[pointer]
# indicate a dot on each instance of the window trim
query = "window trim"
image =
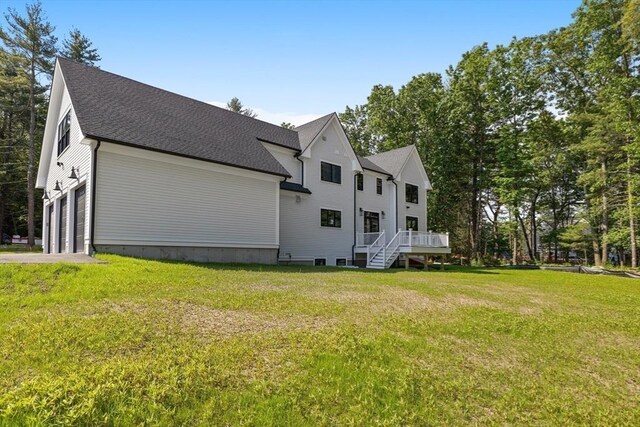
(360, 182)
(406, 217)
(341, 265)
(364, 216)
(67, 133)
(330, 210)
(417, 202)
(315, 262)
(333, 165)
(379, 186)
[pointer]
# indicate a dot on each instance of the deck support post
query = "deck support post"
(406, 261)
(442, 263)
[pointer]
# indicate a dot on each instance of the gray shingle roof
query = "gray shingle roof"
(117, 109)
(308, 131)
(393, 160)
(292, 186)
(368, 164)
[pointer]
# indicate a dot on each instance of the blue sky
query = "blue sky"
(293, 60)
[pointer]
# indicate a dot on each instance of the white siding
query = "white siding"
(152, 198)
(301, 236)
(411, 174)
(77, 155)
(286, 158)
(370, 201)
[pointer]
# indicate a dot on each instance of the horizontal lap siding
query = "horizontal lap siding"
(78, 156)
(151, 201)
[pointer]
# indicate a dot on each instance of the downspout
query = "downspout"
(93, 198)
(396, 202)
(297, 156)
(355, 216)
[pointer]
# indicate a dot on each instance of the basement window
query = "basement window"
(320, 261)
(341, 262)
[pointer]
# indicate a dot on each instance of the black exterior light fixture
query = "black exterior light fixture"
(361, 211)
(73, 174)
(382, 214)
(57, 187)
(45, 196)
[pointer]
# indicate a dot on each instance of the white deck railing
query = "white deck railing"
(377, 246)
(424, 239)
(366, 239)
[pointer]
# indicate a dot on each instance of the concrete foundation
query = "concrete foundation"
(195, 254)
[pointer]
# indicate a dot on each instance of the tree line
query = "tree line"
(533, 148)
(28, 48)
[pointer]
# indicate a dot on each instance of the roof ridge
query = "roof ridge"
(170, 92)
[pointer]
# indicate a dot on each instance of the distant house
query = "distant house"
(131, 169)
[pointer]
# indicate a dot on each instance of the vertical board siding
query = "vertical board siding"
(142, 200)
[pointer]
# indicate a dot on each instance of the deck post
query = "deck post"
(442, 263)
(406, 261)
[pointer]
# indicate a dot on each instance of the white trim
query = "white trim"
(278, 213)
(411, 216)
(142, 153)
(324, 227)
(342, 137)
(405, 192)
(333, 164)
(184, 244)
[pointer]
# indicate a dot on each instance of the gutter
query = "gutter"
(297, 156)
(93, 199)
(355, 216)
(396, 202)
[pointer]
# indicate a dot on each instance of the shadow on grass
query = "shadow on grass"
(317, 269)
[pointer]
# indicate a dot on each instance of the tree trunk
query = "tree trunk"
(632, 226)
(526, 238)
(605, 216)
(31, 206)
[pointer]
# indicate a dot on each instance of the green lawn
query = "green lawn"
(146, 342)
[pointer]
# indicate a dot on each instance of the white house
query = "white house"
(132, 169)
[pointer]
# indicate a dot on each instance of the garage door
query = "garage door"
(62, 230)
(79, 218)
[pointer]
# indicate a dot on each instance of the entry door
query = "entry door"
(371, 222)
(50, 229)
(62, 226)
(79, 218)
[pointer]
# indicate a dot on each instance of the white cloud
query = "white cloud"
(277, 118)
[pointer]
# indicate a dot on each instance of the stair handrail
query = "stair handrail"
(379, 241)
(391, 247)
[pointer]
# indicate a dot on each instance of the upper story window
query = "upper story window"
(330, 172)
(379, 185)
(360, 182)
(330, 218)
(64, 129)
(411, 193)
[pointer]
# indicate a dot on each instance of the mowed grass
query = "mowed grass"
(148, 342)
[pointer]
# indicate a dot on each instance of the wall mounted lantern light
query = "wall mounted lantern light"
(361, 211)
(73, 174)
(57, 187)
(45, 196)
(382, 214)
